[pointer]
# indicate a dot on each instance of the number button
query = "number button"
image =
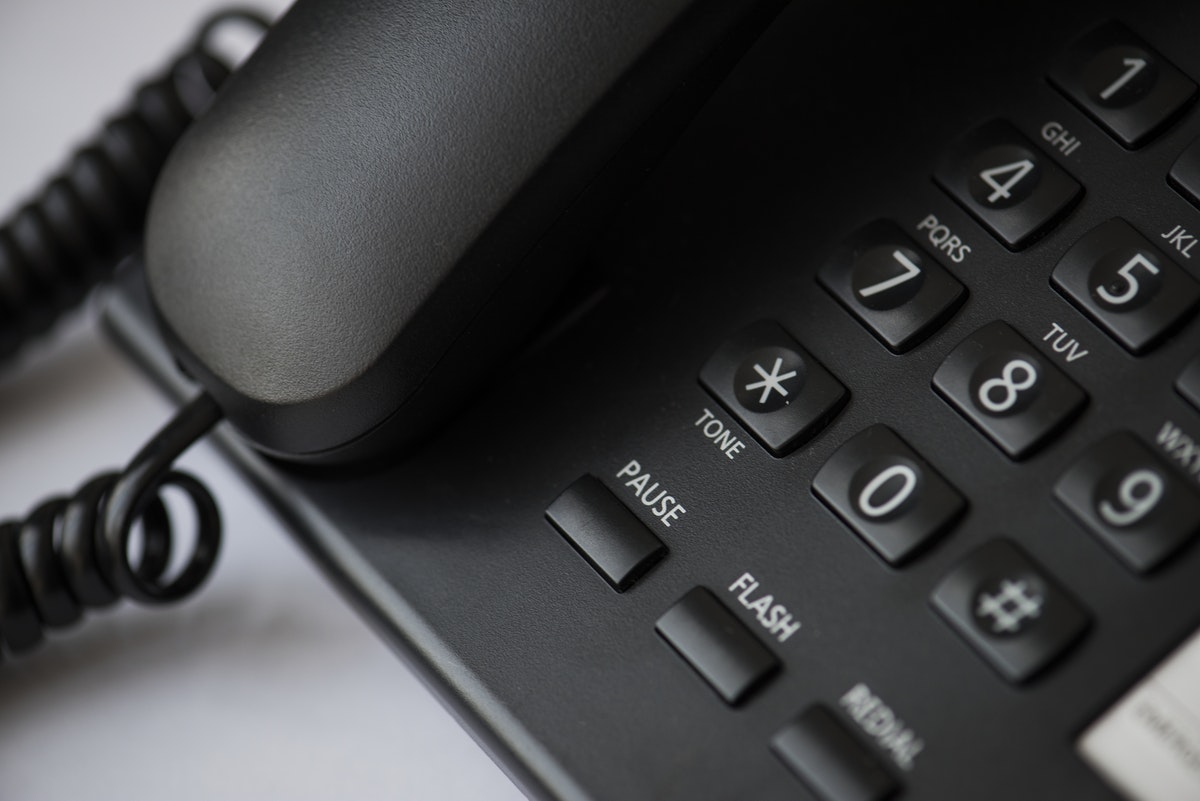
(887, 489)
(1126, 285)
(1006, 184)
(900, 294)
(1122, 90)
(1008, 393)
(881, 292)
(1130, 291)
(1125, 86)
(888, 494)
(1138, 495)
(1133, 502)
(1010, 610)
(1000, 382)
(1009, 185)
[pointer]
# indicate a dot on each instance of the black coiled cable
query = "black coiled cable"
(67, 239)
(73, 553)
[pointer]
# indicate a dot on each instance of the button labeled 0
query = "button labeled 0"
(888, 494)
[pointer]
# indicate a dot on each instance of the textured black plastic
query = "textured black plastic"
(837, 117)
(375, 208)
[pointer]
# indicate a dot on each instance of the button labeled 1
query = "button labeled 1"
(1000, 382)
(888, 494)
(1116, 277)
(1123, 494)
(1124, 85)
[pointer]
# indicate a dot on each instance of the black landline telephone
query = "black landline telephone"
(851, 455)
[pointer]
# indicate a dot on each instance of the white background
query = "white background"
(264, 686)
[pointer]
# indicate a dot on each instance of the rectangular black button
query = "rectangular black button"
(773, 386)
(1185, 173)
(1010, 610)
(717, 645)
(605, 532)
(830, 760)
(1009, 185)
(1188, 384)
(1129, 89)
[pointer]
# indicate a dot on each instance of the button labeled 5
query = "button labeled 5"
(1135, 293)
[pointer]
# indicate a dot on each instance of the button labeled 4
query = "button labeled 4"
(1007, 183)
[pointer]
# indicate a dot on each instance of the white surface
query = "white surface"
(265, 685)
(1148, 744)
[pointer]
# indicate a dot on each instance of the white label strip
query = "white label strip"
(1148, 745)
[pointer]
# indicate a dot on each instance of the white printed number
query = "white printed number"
(911, 271)
(867, 502)
(1138, 494)
(1015, 171)
(1008, 386)
(1134, 66)
(1131, 282)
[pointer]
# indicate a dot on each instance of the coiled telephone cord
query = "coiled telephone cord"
(70, 554)
(73, 233)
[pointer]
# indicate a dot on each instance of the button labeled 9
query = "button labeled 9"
(1122, 492)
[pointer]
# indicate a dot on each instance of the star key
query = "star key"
(774, 387)
(771, 383)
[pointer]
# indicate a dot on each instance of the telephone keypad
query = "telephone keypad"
(1121, 492)
(1001, 383)
(1134, 292)
(892, 287)
(888, 494)
(1129, 89)
(1009, 185)
(778, 391)
(1010, 610)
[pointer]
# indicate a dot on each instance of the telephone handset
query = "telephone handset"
(387, 196)
(869, 473)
